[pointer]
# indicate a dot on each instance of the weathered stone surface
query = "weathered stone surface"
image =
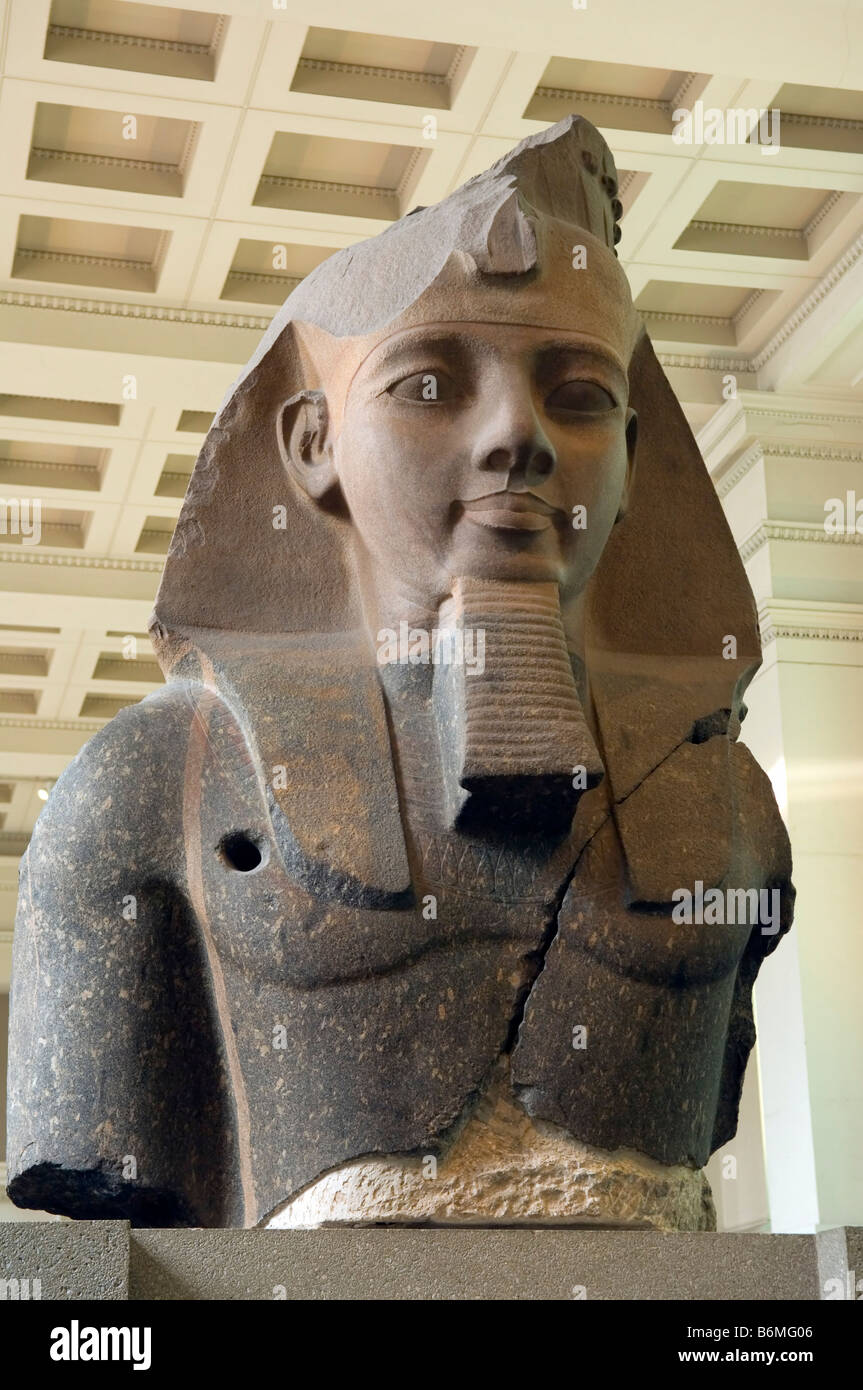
(293, 911)
(503, 1169)
(468, 1264)
(89, 1261)
(839, 1253)
(59, 1260)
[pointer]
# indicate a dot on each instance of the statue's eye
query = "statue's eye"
(430, 386)
(580, 398)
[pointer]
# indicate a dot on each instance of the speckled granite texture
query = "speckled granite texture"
(108, 1261)
(294, 910)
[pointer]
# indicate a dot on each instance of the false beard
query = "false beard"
(516, 750)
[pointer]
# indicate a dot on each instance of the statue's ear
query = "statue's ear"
(305, 444)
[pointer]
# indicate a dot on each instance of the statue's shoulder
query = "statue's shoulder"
(106, 960)
(125, 783)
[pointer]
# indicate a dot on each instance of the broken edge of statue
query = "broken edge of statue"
(433, 885)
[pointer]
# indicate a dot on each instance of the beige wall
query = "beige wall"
(4, 1033)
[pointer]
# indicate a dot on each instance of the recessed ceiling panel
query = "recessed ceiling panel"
(378, 67)
(175, 475)
(112, 666)
(83, 145)
(755, 219)
(156, 535)
(675, 311)
(24, 661)
(819, 118)
(679, 297)
(19, 701)
(135, 38)
(54, 527)
(265, 272)
(104, 706)
(613, 95)
(54, 408)
(25, 465)
(194, 421)
(108, 254)
(356, 178)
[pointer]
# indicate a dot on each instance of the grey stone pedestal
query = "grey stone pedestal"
(107, 1260)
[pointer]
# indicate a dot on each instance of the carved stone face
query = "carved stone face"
(464, 449)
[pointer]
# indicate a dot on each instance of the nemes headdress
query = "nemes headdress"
(670, 589)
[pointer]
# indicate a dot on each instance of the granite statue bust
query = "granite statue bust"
(432, 886)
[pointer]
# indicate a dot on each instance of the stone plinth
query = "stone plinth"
(106, 1260)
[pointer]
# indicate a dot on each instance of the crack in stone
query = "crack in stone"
(552, 928)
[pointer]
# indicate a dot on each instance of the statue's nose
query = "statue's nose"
(514, 443)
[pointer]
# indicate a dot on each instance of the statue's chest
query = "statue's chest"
(489, 871)
(297, 893)
(464, 896)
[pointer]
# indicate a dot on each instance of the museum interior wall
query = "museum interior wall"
(171, 174)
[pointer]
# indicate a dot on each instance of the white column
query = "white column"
(776, 462)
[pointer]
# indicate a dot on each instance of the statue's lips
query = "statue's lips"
(510, 511)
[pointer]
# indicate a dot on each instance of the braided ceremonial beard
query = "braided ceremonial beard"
(515, 747)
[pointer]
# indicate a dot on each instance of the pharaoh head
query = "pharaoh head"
(471, 396)
(485, 429)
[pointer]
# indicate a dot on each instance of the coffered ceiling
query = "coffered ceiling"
(170, 174)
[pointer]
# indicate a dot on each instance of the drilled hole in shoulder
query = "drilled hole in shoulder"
(243, 851)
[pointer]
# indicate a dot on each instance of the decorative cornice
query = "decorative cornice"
(748, 303)
(75, 258)
(413, 160)
(665, 107)
(73, 725)
(32, 556)
(574, 97)
(364, 70)
(705, 363)
(771, 631)
(715, 320)
(798, 417)
(107, 161)
(810, 531)
(53, 526)
(745, 229)
(811, 451)
(711, 320)
(325, 186)
(679, 97)
(627, 179)
(219, 28)
(754, 454)
(8, 462)
(202, 318)
(254, 277)
(68, 31)
(753, 544)
(826, 207)
(811, 302)
(791, 531)
(190, 145)
(455, 66)
(834, 122)
(794, 320)
(26, 658)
